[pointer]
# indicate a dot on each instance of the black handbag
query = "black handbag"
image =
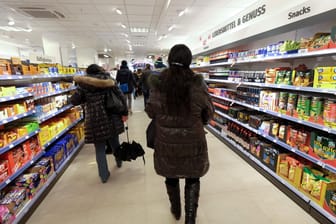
(150, 134)
(115, 102)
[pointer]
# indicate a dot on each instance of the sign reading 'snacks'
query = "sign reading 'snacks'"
(300, 12)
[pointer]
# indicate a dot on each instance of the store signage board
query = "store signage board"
(34, 58)
(261, 17)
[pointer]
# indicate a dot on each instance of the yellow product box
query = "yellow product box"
(289, 169)
(16, 61)
(44, 135)
(53, 131)
(8, 91)
(325, 77)
(22, 131)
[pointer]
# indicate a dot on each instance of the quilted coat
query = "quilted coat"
(180, 147)
(99, 126)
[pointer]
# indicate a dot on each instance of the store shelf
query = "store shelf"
(18, 142)
(280, 143)
(21, 170)
(46, 186)
(283, 116)
(276, 86)
(61, 133)
(54, 93)
(16, 97)
(260, 164)
(311, 54)
(17, 117)
(47, 117)
(273, 174)
(36, 197)
(20, 79)
(65, 163)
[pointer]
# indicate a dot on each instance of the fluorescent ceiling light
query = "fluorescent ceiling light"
(118, 11)
(15, 28)
(106, 56)
(182, 12)
(128, 41)
(123, 26)
(138, 44)
(171, 27)
(168, 3)
(109, 49)
(73, 46)
(11, 22)
(125, 34)
(164, 36)
(105, 50)
(139, 30)
(160, 38)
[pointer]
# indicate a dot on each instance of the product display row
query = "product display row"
(276, 104)
(319, 41)
(39, 133)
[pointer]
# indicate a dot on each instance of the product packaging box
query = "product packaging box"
(290, 169)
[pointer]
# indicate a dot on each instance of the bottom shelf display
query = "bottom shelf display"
(316, 187)
(18, 198)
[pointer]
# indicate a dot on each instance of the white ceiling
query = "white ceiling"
(96, 24)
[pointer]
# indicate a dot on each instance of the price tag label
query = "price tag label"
(8, 181)
(275, 141)
(300, 121)
(11, 146)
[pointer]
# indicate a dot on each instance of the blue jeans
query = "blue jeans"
(100, 148)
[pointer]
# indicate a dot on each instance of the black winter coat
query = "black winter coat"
(99, 126)
(180, 144)
(124, 75)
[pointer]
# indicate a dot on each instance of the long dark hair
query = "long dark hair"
(176, 80)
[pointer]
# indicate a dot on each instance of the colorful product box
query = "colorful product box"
(290, 169)
(325, 77)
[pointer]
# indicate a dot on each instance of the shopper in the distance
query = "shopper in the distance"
(180, 106)
(126, 83)
(101, 129)
(144, 82)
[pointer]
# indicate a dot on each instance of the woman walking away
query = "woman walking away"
(101, 129)
(180, 106)
(127, 83)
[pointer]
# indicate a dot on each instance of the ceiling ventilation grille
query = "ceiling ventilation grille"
(42, 13)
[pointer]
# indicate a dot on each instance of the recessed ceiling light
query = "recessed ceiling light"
(160, 38)
(106, 56)
(128, 41)
(118, 11)
(168, 3)
(105, 50)
(123, 26)
(109, 49)
(73, 46)
(182, 12)
(171, 27)
(11, 22)
(139, 30)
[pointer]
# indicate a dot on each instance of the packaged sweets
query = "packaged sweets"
(291, 103)
(316, 108)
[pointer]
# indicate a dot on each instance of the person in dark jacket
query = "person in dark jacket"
(180, 106)
(101, 129)
(125, 76)
(143, 82)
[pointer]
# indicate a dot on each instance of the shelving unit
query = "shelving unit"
(245, 63)
(284, 184)
(15, 80)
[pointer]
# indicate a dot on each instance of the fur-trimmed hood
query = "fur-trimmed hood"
(98, 81)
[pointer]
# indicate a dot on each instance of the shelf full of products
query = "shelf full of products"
(40, 134)
(281, 118)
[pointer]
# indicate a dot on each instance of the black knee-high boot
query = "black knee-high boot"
(191, 195)
(175, 199)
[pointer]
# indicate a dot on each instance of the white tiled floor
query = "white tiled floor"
(232, 192)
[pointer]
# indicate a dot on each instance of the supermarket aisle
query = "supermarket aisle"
(232, 192)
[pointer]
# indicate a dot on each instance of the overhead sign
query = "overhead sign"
(263, 16)
(33, 58)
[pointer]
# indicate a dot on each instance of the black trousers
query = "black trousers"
(175, 181)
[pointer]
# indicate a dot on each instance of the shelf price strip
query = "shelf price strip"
(18, 142)
(61, 133)
(43, 119)
(280, 143)
(54, 93)
(17, 117)
(21, 170)
(307, 123)
(16, 97)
